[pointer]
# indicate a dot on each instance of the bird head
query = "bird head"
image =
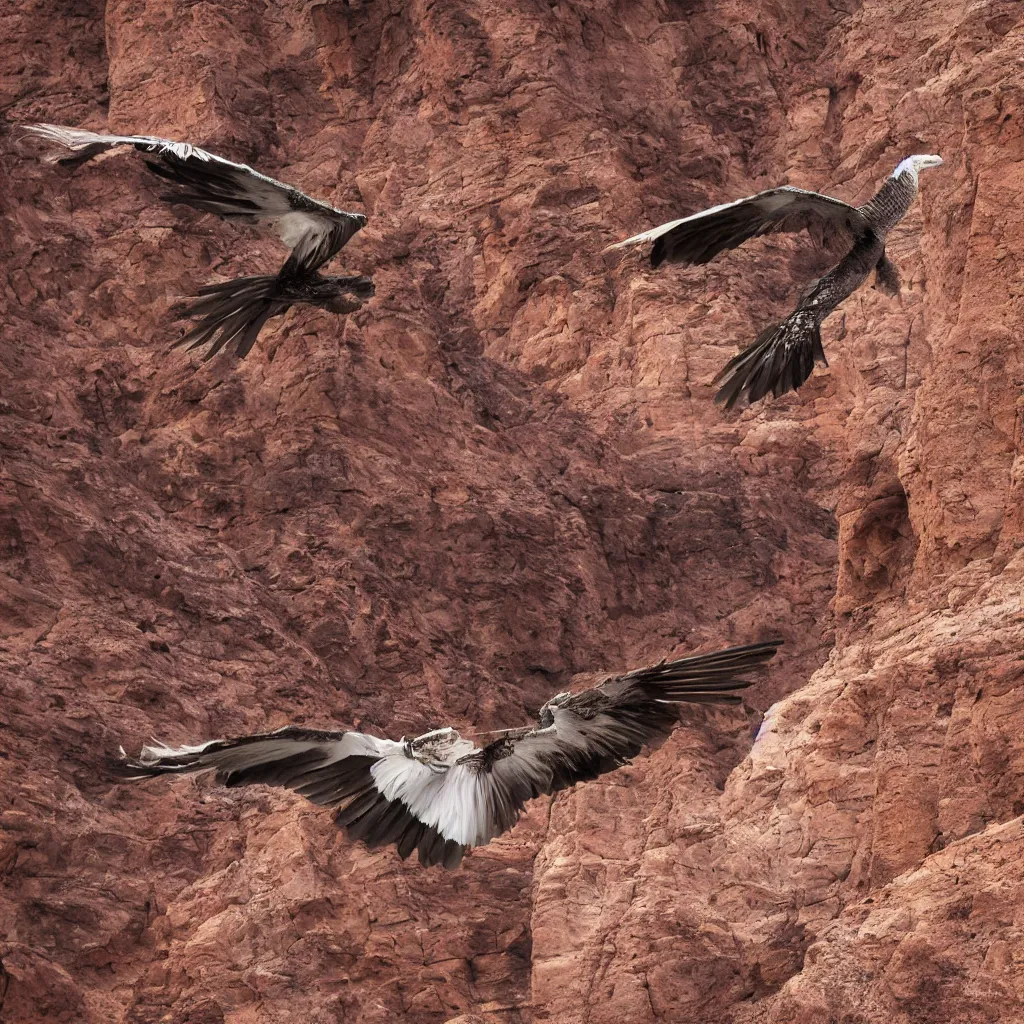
(435, 742)
(915, 164)
(547, 717)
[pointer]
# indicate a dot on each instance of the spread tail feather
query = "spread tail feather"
(233, 311)
(780, 360)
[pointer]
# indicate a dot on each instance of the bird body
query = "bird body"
(441, 794)
(783, 355)
(235, 311)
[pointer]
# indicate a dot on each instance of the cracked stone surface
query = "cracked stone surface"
(503, 476)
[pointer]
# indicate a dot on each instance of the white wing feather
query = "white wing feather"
(458, 800)
(274, 201)
(77, 139)
(776, 203)
(773, 205)
(207, 756)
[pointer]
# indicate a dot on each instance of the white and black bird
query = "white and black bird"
(235, 311)
(783, 355)
(440, 794)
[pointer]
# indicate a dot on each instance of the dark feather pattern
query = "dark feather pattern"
(700, 238)
(233, 314)
(193, 759)
(887, 277)
(780, 360)
(410, 838)
(783, 356)
(232, 311)
(617, 719)
(439, 794)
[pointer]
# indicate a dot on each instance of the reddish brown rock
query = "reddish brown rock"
(505, 472)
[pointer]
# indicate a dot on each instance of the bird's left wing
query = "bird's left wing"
(597, 731)
(314, 230)
(702, 236)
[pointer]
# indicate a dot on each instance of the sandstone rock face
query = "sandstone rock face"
(503, 474)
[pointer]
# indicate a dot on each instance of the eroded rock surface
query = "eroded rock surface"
(505, 473)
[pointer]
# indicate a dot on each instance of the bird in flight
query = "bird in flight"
(784, 354)
(235, 311)
(440, 794)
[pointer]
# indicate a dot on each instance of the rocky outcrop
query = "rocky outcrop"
(501, 475)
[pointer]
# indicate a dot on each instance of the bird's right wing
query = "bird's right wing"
(316, 763)
(702, 236)
(383, 792)
(314, 230)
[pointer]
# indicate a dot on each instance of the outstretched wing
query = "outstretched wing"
(444, 796)
(702, 236)
(314, 230)
(330, 768)
(599, 730)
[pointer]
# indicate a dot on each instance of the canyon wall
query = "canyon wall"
(502, 477)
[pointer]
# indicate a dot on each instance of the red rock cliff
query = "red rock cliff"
(504, 472)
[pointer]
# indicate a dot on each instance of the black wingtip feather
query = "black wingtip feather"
(704, 678)
(431, 848)
(658, 252)
(410, 838)
(453, 854)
